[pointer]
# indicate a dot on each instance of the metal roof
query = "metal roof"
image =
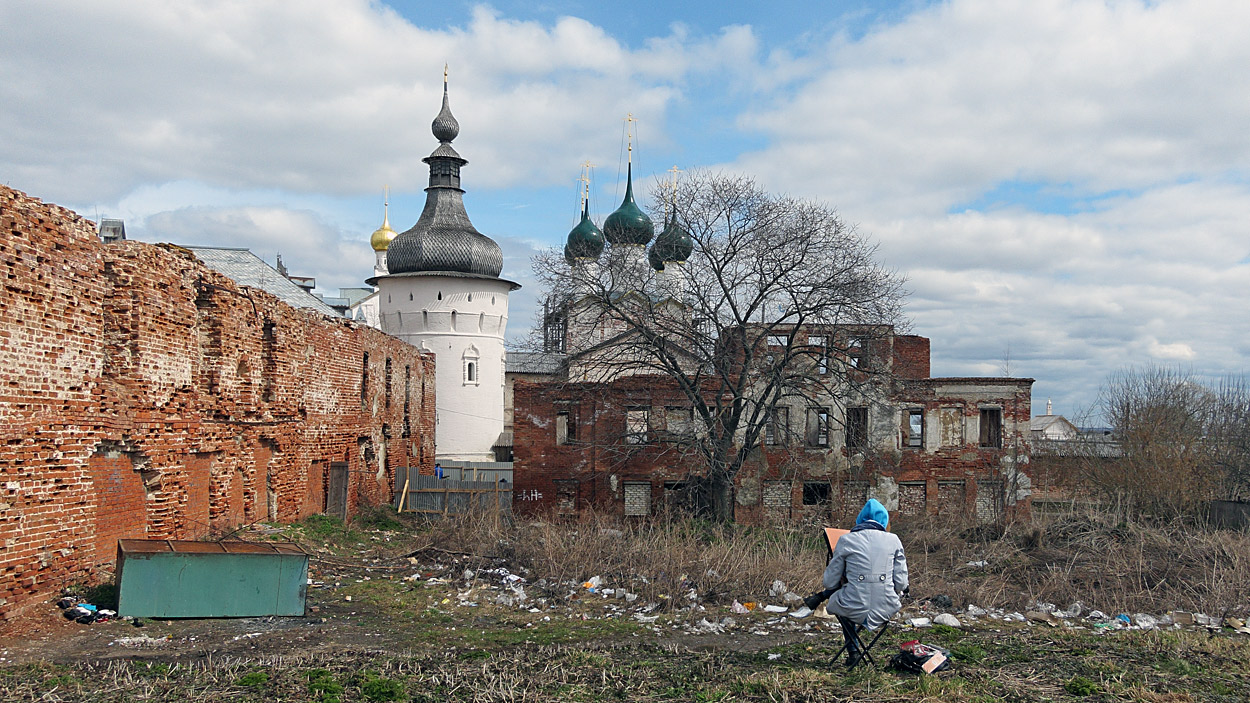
(547, 363)
(247, 269)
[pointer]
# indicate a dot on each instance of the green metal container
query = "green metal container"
(180, 579)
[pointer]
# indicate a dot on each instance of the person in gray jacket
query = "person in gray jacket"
(869, 572)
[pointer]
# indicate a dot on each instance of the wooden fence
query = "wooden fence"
(430, 495)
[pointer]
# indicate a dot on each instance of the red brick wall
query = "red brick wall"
(911, 357)
(120, 497)
(217, 398)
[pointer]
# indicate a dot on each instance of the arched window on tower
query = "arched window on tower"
(472, 370)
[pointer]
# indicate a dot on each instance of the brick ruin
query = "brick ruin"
(143, 395)
(925, 446)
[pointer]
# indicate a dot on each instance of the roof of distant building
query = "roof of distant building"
(355, 295)
(1040, 422)
(534, 362)
(247, 269)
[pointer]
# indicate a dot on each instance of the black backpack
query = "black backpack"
(917, 658)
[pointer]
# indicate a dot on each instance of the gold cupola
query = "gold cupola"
(383, 235)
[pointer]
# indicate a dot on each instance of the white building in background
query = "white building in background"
(439, 289)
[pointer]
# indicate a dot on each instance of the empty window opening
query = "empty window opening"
(817, 493)
(818, 427)
(856, 428)
(778, 340)
(915, 428)
(637, 422)
(991, 427)
(855, 352)
(678, 421)
(566, 426)
(364, 379)
(820, 352)
(777, 426)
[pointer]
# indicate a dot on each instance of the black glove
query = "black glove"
(813, 601)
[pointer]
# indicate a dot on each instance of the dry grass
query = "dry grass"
(652, 559)
(1088, 556)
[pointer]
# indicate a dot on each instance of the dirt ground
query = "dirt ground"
(391, 617)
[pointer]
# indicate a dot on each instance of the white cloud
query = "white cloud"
(326, 96)
(1123, 118)
(965, 94)
(259, 124)
(309, 246)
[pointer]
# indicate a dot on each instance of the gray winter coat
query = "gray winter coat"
(876, 573)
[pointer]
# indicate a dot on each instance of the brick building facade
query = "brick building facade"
(921, 445)
(144, 395)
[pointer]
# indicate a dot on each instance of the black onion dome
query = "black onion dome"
(443, 239)
(585, 240)
(445, 126)
(674, 243)
(629, 224)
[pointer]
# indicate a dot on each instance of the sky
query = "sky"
(1065, 184)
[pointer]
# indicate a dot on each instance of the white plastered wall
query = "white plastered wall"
(460, 320)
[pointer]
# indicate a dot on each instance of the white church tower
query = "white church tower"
(442, 293)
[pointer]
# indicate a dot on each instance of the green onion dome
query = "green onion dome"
(653, 258)
(629, 224)
(674, 243)
(585, 240)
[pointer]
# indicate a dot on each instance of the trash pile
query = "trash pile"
(85, 613)
(689, 610)
(1075, 616)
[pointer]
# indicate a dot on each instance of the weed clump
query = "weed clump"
(1080, 686)
(322, 687)
(253, 679)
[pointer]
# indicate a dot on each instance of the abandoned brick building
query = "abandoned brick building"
(921, 445)
(143, 394)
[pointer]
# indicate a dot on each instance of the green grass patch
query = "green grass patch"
(947, 634)
(382, 689)
(1080, 686)
(968, 653)
(253, 679)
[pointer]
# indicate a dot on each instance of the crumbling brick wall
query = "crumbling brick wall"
(952, 473)
(143, 395)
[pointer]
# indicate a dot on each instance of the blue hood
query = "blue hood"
(875, 511)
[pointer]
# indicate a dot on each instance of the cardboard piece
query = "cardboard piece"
(933, 662)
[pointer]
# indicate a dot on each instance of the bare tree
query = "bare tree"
(1229, 435)
(778, 303)
(1180, 441)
